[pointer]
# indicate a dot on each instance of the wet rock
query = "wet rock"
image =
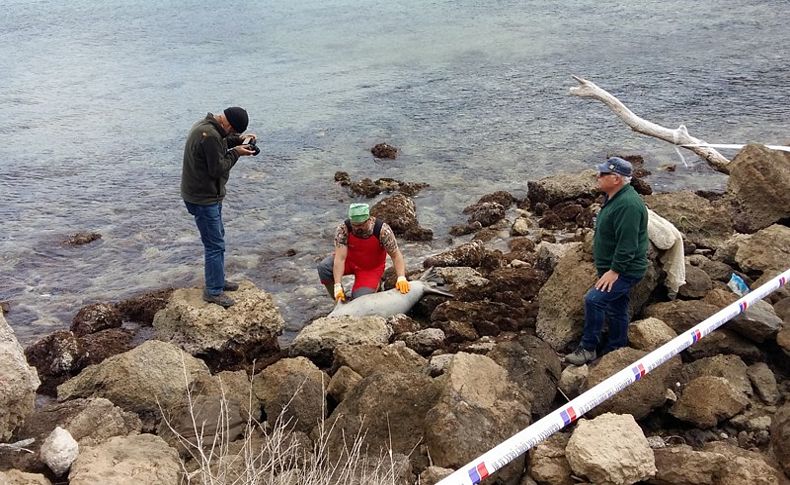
(82, 238)
(701, 222)
(707, 400)
(318, 340)
(551, 220)
(402, 324)
(367, 359)
(491, 411)
(457, 332)
(5, 307)
(487, 214)
(533, 365)
(547, 463)
(682, 465)
(465, 283)
(142, 308)
(640, 398)
(95, 317)
(641, 186)
(104, 344)
(767, 249)
(764, 382)
(464, 229)
(294, 389)
(399, 212)
(561, 300)
(342, 382)
(384, 150)
(56, 358)
(473, 254)
(487, 317)
(649, 334)
(523, 282)
(698, 283)
(144, 458)
(225, 338)
(730, 367)
(681, 315)
(557, 188)
(18, 382)
(759, 184)
(424, 342)
(780, 436)
(505, 199)
(521, 227)
(610, 449)
(152, 375)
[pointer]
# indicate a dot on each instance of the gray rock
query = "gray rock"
(547, 463)
(18, 382)
(698, 283)
(424, 342)
(143, 458)
(564, 186)
(294, 389)
(573, 379)
(649, 334)
(759, 185)
(764, 382)
(367, 359)
(59, 451)
(702, 222)
(758, 323)
(318, 340)
(767, 249)
(342, 382)
(730, 367)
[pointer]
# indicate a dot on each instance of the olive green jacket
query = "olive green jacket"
(207, 162)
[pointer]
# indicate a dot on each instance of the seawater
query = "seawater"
(97, 98)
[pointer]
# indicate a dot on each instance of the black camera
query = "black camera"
(252, 146)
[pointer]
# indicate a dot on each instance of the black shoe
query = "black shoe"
(222, 299)
(230, 286)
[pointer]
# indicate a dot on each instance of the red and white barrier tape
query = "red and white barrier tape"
(510, 449)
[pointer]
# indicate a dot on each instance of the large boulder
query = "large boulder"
(564, 186)
(223, 337)
(759, 185)
(561, 300)
(610, 449)
(387, 410)
(701, 221)
(400, 213)
(765, 250)
(318, 340)
(18, 382)
(143, 458)
(640, 398)
(533, 364)
(152, 375)
(758, 323)
(476, 398)
(707, 400)
(367, 359)
(294, 389)
(730, 367)
(681, 315)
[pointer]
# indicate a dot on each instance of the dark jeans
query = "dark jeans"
(612, 306)
(208, 219)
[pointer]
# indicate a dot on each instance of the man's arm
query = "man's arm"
(398, 262)
(218, 161)
(339, 265)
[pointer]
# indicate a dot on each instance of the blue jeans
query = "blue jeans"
(208, 219)
(612, 306)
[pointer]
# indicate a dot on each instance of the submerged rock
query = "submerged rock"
(384, 150)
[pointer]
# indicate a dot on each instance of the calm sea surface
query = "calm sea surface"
(97, 97)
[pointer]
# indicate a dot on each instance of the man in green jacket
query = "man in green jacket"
(213, 147)
(620, 254)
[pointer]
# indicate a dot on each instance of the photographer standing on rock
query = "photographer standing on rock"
(620, 254)
(213, 147)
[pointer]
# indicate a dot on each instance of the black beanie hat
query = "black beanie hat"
(237, 117)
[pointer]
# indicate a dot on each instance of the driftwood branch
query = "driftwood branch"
(18, 446)
(678, 136)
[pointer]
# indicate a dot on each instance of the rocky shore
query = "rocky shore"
(115, 398)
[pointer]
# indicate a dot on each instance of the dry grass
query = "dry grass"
(270, 454)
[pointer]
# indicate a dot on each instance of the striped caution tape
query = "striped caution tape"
(478, 469)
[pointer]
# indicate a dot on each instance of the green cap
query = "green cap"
(358, 213)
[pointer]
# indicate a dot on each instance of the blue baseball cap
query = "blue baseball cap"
(616, 165)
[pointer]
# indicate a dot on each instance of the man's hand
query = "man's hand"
(339, 294)
(243, 150)
(606, 281)
(402, 285)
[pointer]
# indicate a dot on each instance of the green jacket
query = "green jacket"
(207, 162)
(620, 241)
